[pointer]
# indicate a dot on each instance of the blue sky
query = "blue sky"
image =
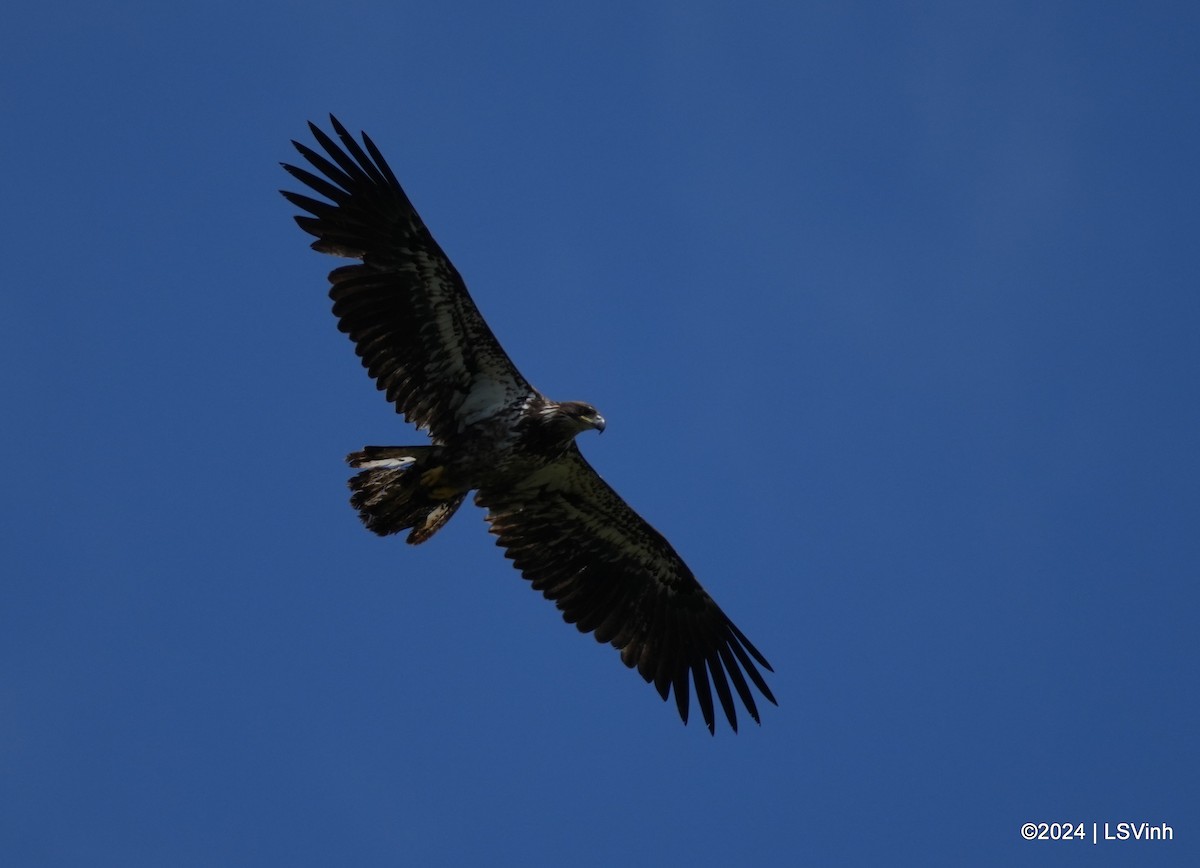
(892, 311)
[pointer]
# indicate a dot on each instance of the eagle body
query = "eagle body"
(492, 453)
(423, 341)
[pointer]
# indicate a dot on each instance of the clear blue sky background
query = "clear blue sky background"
(893, 312)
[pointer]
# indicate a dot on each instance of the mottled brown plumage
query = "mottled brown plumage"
(425, 344)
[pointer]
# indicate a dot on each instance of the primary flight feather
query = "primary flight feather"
(425, 344)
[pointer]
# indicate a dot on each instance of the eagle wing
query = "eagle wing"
(611, 573)
(405, 307)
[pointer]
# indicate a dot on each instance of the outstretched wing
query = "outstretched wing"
(611, 573)
(405, 306)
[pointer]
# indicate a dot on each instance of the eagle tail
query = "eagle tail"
(389, 493)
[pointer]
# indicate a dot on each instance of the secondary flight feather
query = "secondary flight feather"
(423, 341)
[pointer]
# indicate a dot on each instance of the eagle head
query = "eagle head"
(559, 423)
(580, 416)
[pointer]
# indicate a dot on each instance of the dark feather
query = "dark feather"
(635, 591)
(405, 306)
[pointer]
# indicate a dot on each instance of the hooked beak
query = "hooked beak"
(599, 423)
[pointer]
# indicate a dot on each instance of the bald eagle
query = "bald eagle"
(425, 344)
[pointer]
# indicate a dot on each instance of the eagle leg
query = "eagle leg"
(394, 491)
(430, 479)
(433, 476)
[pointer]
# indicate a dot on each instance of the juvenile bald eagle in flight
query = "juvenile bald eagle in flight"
(425, 344)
